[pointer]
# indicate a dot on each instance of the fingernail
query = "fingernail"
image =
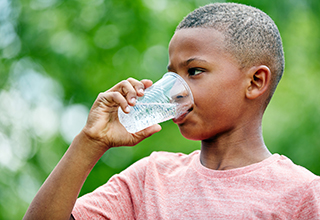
(141, 91)
(127, 109)
(133, 100)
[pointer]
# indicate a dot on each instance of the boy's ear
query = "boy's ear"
(260, 78)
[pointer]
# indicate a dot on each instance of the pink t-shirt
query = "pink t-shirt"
(177, 186)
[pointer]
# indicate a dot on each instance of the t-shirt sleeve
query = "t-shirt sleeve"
(117, 198)
(309, 206)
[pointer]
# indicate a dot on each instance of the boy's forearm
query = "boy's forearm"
(56, 197)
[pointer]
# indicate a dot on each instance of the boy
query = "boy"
(231, 56)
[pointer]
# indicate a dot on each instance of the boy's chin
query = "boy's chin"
(190, 134)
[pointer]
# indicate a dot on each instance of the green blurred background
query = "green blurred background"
(56, 56)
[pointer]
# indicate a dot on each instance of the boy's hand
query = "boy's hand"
(103, 126)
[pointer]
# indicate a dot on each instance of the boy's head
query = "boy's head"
(250, 35)
(231, 56)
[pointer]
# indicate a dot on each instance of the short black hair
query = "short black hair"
(251, 36)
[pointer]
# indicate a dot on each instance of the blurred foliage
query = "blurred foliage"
(56, 56)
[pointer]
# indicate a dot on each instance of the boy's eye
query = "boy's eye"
(194, 71)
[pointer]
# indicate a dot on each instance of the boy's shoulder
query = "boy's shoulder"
(160, 154)
(165, 162)
(277, 168)
(287, 170)
(164, 157)
(161, 162)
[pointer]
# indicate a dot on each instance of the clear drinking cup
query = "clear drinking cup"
(168, 98)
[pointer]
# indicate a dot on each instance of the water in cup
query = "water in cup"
(168, 98)
(145, 114)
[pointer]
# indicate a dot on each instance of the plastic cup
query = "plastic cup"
(168, 98)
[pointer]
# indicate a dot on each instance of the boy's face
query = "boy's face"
(217, 83)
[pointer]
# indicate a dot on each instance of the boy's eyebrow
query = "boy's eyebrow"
(187, 62)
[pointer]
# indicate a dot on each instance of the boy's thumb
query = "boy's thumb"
(147, 132)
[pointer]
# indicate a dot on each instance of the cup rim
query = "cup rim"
(182, 81)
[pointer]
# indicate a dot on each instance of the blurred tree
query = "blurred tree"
(56, 56)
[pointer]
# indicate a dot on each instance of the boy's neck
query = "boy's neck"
(230, 151)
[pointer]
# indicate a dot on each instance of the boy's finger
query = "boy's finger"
(138, 86)
(147, 132)
(127, 90)
(147, 83)
(114, 99)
